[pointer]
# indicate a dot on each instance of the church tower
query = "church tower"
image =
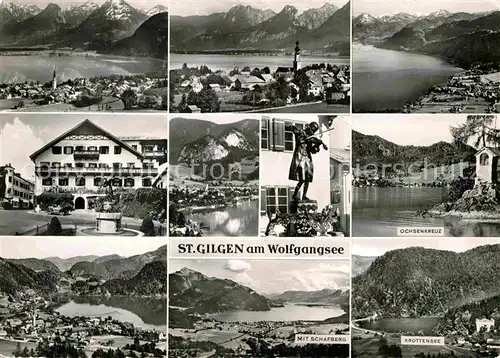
(54, 80)
(296, 59)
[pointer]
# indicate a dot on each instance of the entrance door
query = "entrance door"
(79, 203)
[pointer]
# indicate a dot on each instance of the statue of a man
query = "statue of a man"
(302, 167)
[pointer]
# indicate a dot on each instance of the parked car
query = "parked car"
(58, 210)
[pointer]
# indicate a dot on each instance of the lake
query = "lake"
(289, 312)
(386, 79)
(40, 67)
(239, 220)
(142, 312)
(229, 62)
(403, 325)
(379, 212)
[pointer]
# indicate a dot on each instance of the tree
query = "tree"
(480, 129)
(206, 99)
(129, 99)
(302, 80)
(266, 70)
(54, 227)
(148, 227)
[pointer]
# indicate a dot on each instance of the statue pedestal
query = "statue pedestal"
(303, 206)
(108, 223)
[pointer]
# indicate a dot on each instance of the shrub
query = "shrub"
(54, 227)
(458, 187)
(148, 227)
(86, 101)
(141, 202)
(47, 199)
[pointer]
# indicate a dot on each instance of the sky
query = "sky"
(138, 4)
(378, 247)
(39, 247)
(274, 276)
(421, 130)
(420, 7)
(203, 7)
(23, 134)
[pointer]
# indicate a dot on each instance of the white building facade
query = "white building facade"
(82, 159)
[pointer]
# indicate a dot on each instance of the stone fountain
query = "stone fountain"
(108, 219)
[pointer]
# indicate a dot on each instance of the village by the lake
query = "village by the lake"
(110, 56)
(291, 60)
(66, 305)
(437, 61)
(268, 315)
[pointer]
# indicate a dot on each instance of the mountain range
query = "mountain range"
(88, 26)
(249, 28)
(368, 149)
(204, 141)
(462, 38)
(321, 297)
(416, 281)
(135, 275)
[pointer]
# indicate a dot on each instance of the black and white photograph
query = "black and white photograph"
(425, 298)
(281, 56)
(426, 56)
(234, 308)
(214, 176)
(75, 174)
(83, 297)
(306, 176)
(78, 55)
(426, 172)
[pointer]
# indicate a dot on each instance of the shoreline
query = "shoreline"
(410, 106)
(472, 216)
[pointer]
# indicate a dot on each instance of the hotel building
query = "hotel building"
(82, 159)
(18, 191)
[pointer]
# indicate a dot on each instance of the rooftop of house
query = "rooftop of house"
(340, 155)
(495, 151)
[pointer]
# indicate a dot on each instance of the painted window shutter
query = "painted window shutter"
(265, 133)
(263, 201)
(278, 135)
(290, 196)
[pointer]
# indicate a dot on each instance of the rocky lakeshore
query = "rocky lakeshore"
(479, 203)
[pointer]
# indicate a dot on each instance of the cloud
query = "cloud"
(19, 141)
(238, 266)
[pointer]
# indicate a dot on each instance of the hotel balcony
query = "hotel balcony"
(73, 171)
(92, 154)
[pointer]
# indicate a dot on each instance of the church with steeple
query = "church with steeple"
(290, 71)
(296, 58)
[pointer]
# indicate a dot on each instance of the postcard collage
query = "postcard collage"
(238, 178)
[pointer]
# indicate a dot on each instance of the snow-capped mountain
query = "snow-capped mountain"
(19, 11)
(235, 139)
(365, 18)
(76, 14)
(118, 10)
(156, 10)
(203, 150)
(398, 17)
(440, 13)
